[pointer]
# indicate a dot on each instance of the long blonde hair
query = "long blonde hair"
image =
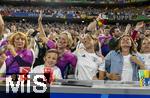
(146, 38)
(12, 38)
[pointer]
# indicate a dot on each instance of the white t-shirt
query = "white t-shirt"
(40, 69)
(88, 65)
(127, 71)
(146, 60)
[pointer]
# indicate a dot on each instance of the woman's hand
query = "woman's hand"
(40, 17)
(138, 62)
(43, 38)
(12, 49)
(82, 38)
(101, 75)
(113, 76)
(40, 26)
(95, 78)
(128, 27)
(139, 25)
(1, 24)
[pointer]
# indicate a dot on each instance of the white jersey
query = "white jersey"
(88, 65)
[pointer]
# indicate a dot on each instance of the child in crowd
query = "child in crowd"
(50, 60)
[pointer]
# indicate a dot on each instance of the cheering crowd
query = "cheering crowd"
(128, 13)
(92, 53)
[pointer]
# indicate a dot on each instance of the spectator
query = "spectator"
(50, 60)
(145, 52)
(124, 62)
(66, 58)
(88, 64)
(17, 55)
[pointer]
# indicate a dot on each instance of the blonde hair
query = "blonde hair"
(12, 38)
(94, 38)
(146, 38)
(69, 38)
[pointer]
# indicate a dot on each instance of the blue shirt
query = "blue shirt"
(114, 64)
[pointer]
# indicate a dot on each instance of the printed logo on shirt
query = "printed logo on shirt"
(83, 55)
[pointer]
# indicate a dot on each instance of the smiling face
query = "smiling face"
(51, 59)
(145, 45)
(62, 41)
(18, 40)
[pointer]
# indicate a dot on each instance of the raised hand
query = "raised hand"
(99, 17)
(40, 26)
(12, 49)
(92, 25)
(1, 24)
(40, 16)
(43, 38)
(137, 61)
(139, 25)
(81, 37)
(127, 29)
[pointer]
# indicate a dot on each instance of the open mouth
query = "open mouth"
(19, 44)
(60, 44)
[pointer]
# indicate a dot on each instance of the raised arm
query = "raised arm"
(49, 43)
(128, 27)
(40, 25)
(1, 24)
(99, 21)
(139, 25)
